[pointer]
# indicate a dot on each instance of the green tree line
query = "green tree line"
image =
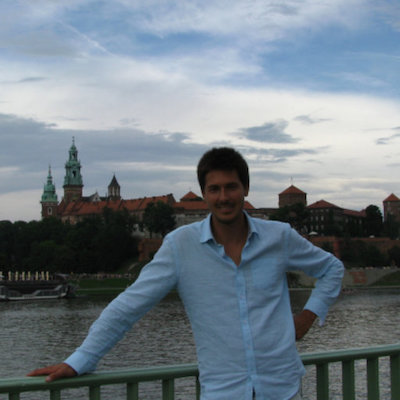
(99, 243)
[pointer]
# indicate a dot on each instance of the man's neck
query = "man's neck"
(232, 236)
(230, 233)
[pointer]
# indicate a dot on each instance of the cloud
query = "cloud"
(265, 20)
(18, 205)
(279, 155)
(33, 145)
(308, 120)
(147, 87)
(390, 12)
(389, 139)
(270, 132)
(122, 144)
(32, 79)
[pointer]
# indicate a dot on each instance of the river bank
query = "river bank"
(359, 277)
(113, 284)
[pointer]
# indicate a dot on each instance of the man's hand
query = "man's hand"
(54, 372)
(303, 322)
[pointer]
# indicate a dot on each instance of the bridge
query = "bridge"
(167, 376)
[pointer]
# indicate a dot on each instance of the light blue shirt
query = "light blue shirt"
(240, 315)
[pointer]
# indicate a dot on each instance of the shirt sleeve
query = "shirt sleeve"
(155, 281)
(302, 255)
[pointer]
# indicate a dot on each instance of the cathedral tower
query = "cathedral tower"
(49, 198)
(73, 179)
(292, 195)
(114, 190)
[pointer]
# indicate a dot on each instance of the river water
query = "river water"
(44, 332)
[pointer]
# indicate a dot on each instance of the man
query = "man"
(230, 272)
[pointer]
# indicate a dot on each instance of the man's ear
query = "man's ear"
(246, 191)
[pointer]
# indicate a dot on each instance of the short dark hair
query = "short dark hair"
(222, 159)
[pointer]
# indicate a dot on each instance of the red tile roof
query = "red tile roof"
(292, 190)
(202, 205)
(248, 206)
(326, 204)
(354, 213)
(392, 197)
(322, 204)
(190, 196)
(89, 208)
(191, 205)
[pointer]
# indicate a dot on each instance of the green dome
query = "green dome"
(73, 168)
(49, 191)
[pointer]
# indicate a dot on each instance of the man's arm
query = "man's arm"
(54, 372)
(303, 322)
(304, 256)
(154, 282)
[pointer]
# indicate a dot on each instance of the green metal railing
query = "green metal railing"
(131, 378)
(347, 358)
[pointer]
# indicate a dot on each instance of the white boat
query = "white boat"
(57, 288)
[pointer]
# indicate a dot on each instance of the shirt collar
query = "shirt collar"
(207, 235)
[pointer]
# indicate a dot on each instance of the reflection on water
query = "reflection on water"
(41, 333)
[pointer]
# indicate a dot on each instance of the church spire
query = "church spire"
(73, 179)
(114, 190)
(49, 199)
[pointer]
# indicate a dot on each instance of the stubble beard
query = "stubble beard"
(229, 220)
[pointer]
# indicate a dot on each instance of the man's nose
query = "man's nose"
(223, 194)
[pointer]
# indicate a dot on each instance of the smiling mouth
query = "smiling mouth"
(227, 207)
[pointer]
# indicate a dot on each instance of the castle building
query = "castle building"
(391, 207)
(74, 207)
(325, 216)
(292, 195)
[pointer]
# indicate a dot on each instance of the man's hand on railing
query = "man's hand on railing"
(54, 372)
(303, 323)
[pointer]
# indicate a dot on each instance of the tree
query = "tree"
(114, 242)
(159, 218)
(358, 253)
(373, 221)
(394, 255)
(391, 227)
(97, 243)
(6, 244)
(331, 225)
(296, 215)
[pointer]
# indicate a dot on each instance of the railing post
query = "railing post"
(323, 381)
(197, 388)
(168, 392)
(132, 391)
(395, 376)
(349, 392)
(94, 393)
(55, 395)
(373, 378)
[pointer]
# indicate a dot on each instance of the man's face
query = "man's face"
(224, 194)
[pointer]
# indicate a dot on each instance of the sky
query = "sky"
(308, 91)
